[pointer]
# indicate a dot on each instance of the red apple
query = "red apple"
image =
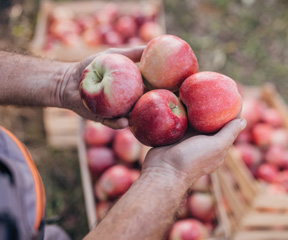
(135, 173)
(261, 134)
(64, 27)
(126, 147)
(110, 85)
(251, 111)
(166, 62)
(282, 178)
(92, 37)
(201, 206)
(126, 26)
(243, 137)
(188, 229)
(158, 118)
(99, 159)
(266, 172)
(115, 181)
(202, 184)
(250, 154)
(102, 208)
(150, 30)
(279, 137)
(272, 116)
(275, 155)
(212, 100)
(96, 134)
(113, 38)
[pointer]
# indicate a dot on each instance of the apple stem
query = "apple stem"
(98, 75)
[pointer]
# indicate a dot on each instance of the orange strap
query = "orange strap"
(39, 187)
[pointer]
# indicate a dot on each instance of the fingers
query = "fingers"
(134, 53)
(116, 123)
(227, 135)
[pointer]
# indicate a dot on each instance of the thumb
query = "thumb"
(230, 131)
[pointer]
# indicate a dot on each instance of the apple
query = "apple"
(201, 206)
(158, 118)
(125, 146)
(63, 27)
(261, 134)
(102, 209)
(243, 137)
(113, 38)
(96, 134)
(266, 172)
(110, 85)
(126, 26)
(279, 136)
(108, 14)
(135, 173)
(99, 159)
(150, 30)
(92, 37)
(272, 117)
(188, 229)
(202, 184)
(275, 155)
(212, 99)
(251, 111)
(250, 154)
(282, 178)
(115, 181)
(166, 62)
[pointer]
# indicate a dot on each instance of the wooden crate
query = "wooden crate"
(253, 213)
(66, 53)
(221, 232)
(61, 127)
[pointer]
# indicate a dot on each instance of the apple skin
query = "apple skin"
(212, 99)
(99, 159)
(110, 85)
(267, 172)
(158, 118)
(166, 62)
(250, 154)
(97, 134)
(188, 229)
(125, 146)
(115, 181)
(150, 30)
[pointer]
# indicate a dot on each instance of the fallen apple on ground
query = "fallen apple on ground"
(166, 62)
(110, 85)
(212, 99)
(158, 118)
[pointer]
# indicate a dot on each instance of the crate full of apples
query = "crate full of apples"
(114, 159)
(74, 30)
(263, 145)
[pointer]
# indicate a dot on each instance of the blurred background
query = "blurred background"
(246, 40)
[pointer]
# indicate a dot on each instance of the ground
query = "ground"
(246, 40)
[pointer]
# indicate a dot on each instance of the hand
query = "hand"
(195, 156)
(69, 87)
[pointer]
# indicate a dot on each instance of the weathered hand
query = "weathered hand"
(69, 87)
(195, 155)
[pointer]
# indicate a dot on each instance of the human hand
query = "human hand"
(194, 156)
(68, 89)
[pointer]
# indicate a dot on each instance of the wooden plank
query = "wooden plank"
(264, 219)
(261, 235)
(86, 179)
(265, 201)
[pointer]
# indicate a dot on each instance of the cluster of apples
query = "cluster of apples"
(159, 92)
(106, 26)
(114, 159)
(197, 214)
(263, 145)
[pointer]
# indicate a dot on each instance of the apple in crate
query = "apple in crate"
(99, 159)
(212, 99)
(96, 134)
(150, 30)
(250, 154)
(158, 118)
(188, 229)
(166, 62)
(267, 172)
(261, 134)
(110, 85)
(115, 181)
(125, 146)
(201, 206)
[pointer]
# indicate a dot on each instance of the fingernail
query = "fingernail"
(243, 123)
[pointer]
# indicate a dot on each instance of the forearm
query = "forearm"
(30, 81)
(146, 211)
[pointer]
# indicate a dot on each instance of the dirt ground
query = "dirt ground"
(244, 39)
